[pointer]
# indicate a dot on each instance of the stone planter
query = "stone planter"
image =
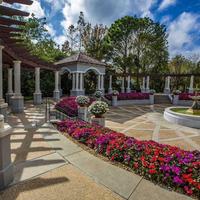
(99, 120)
(114, 100)
(151, 98)
(175, 99)
(6, 167)
(83, 113)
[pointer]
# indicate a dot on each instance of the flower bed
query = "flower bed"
(129, 96)
(164, 164)
(69, 106)
(186, 96)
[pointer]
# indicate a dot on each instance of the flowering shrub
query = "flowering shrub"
(186, 96)
(82, 100)
(152, 91)
(98, 108)
(129, 96)
(164, 164)
(98, 94)
(69, 106)
(115, 93)
(176, 92)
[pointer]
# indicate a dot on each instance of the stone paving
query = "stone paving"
(49, 166)
(147, 123)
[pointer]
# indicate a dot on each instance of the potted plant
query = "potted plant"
(83, 102)
(176, 94)
(98, 94)
(115, 93)
(98, 109)
(151, 96)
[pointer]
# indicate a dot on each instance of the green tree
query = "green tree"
(137, 45)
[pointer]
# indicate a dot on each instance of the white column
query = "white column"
(77, 81)
(167, 85)
(122, 87)
(56, 80)
(10, 82)
(128, 89)
(147, 84)
(102, 82)
(37, 80)
(191, 89)
(73, 81)
(168, 82)
(56, 92)
(81, 81)
(143, 85)
(1, 72)
(110, 84)
(99, 82)
(17, 105)
(17, 77)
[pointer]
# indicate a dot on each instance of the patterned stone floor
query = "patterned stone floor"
(147, 123)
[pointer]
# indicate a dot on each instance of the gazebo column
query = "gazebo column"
(99, 82)
(122, 87)
(60, 85)
(128, 89)
(17, 105)
(56, 92)
(102, 84)
(82, 90)
(3, 105)
(191, 88)
(10, 93)
(167, 85)
(77, 84)
(147, 84)
(37, 96)
(143, 84)
(110, 85)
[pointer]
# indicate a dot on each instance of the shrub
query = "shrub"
(98, 94)
(98, 108)
(82, 100)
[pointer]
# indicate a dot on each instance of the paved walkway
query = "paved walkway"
(147, 123)
(49, 166)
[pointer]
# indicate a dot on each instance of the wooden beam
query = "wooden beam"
(9, 21)
(26, 2)
(12, 12)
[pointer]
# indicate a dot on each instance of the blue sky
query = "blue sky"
(181, 17)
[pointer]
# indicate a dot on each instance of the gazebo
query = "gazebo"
(77, 66)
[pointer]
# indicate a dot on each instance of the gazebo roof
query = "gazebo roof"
(79, 58)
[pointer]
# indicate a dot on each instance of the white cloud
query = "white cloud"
(34, 8)
(60, 39)
(50, 29)
(181, 33)
(166, 3)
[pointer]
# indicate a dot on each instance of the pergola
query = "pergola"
(78, 65)
(14, 55)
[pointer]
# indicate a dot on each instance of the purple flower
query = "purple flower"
(176, 170)
(177, 180)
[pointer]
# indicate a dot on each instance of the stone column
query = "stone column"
(122, 87)
(17, 99)
(82, 91)
(110, 85)
(56, 92)
(73, 81)
(6, 167)
(3, 105)
(143, 85)
(102, 83)
(128, 89)
(77, 81)
(99, 82)
(167, 85)
(147, 84)
(10, 93)
(191, 88)
(37, 96)
(60, 85)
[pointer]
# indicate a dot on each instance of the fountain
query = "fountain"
(186, 116)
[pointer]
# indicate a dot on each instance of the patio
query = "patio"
(50, 166)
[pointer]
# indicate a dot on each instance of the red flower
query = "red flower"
(152, 171)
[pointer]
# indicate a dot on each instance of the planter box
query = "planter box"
(83, 113)
(114, 101)
(99, 121)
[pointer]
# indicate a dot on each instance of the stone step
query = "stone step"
(161, 99)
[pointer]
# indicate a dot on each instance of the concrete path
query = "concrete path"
(147, 123)
(50, 166)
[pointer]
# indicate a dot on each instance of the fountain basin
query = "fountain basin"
(184, 119)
